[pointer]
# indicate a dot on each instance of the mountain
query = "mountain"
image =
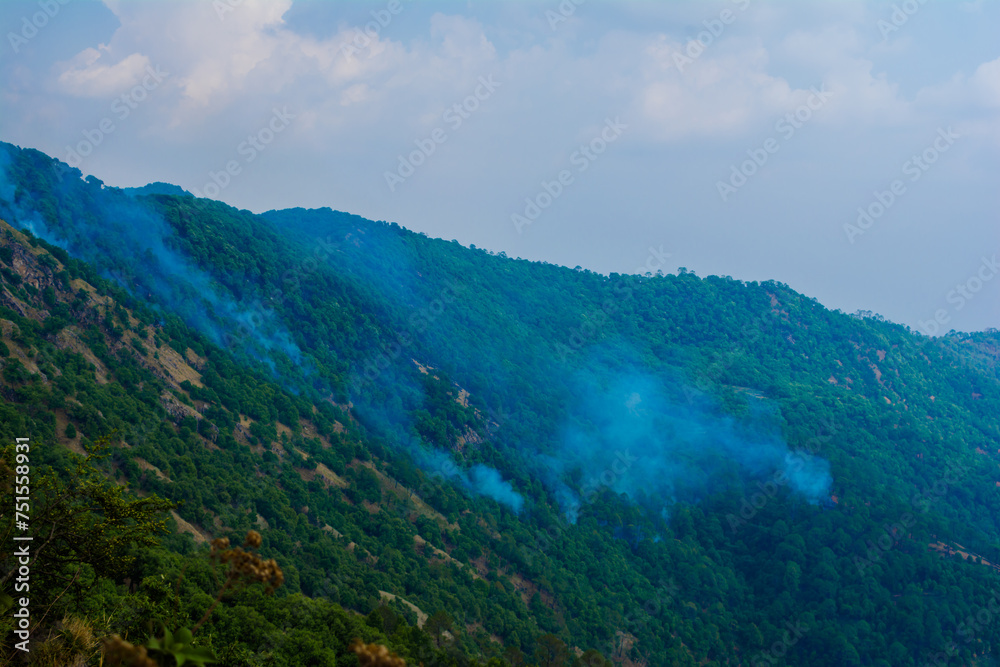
(520, 458)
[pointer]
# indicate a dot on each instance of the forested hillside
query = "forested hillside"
(473, 458)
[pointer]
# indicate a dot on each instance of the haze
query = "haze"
(599, 134)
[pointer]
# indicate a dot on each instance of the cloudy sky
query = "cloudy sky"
(848, 149)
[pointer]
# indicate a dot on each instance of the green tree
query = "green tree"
(550, 651)
(84, 526)
(438, 624)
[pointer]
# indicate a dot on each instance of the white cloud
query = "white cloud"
(249, 53)
(986, 84)
(715, 95)
(355, 113)
(87, 75)
(976, 96)
(212, 54)
(462, 40)
(860, 94)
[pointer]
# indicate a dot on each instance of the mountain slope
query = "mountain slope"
(667, 468)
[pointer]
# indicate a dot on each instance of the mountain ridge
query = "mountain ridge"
(640, 420)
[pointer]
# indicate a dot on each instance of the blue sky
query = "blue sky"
(740, 137)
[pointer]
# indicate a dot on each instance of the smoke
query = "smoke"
(382, 387)
(391, 421)
(633, 434)
(629, 432)
(127, 241)
(7, 189)
(487, 482)
(478, 480)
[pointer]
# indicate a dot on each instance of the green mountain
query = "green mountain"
(472, 458)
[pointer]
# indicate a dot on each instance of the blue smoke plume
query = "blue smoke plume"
(479, 479)
(629, 435)
(130, 243)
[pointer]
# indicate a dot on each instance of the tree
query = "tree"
(592, 658)
(439, 623)
(551, 651)
(514, 656)
(84, 526)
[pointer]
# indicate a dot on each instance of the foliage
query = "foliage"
(406, 343)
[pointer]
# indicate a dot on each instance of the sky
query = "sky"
(848, 149)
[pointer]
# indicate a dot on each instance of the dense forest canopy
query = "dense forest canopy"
(472, 458)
